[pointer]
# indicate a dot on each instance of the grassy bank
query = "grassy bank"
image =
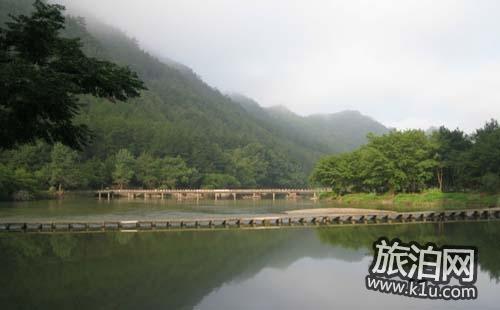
(427, 200)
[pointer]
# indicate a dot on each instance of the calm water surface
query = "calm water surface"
(91, 209)
(288, 268)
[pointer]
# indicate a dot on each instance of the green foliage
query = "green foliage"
(335, 171)
(484, 155)
(248, 164)
(410, 161)
(490, 182)
(7, 182)
(451, 173)
(219, 180)
(21, 169)
(469, 162)
(124, 168)
(395, 162)
(174, 173)
(95, 173)
(148, 170)
(192, 134)
(41, 73)
(63, 171)
(428, 200)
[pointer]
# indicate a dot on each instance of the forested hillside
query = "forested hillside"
(180, 133)
(330, 133)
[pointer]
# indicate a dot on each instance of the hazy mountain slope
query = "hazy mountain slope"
(192, 105)
(338, 132)
(347, 129)
(180, 115)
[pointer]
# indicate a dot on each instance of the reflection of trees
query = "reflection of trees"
(129, 270)
(484, 235)
(62, 246)
(177, 269)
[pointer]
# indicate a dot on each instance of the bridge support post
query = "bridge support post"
(99, 195)
(274, 196)
(234, 196)
(215, 194)
(109, 195)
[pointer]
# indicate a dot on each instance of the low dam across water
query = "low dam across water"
(256, 222)
(216, 194)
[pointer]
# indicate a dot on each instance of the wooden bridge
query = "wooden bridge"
(258, 222)
(216, 194)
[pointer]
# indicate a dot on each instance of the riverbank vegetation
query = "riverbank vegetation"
(38, 167)
(180, 132)
(427, 200)
(412, 161)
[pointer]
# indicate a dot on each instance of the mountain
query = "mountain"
(330, 133)
(222, 137)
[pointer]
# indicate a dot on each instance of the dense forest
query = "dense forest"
(412, 161)
(180, 132)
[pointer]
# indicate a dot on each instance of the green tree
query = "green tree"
(13, 180)
(374, 171)
(63, 171)
(7, 182)
(451, 148)
(336, 172)
(175, 173)
(219, 180)
(94, 173)
(124, 168)
(490, 182)
(148, 170)
(400, 161)
(248, 165)
(483, 158)
(42, 73)
(413, 157)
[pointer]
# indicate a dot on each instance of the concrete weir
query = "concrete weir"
(275, 221)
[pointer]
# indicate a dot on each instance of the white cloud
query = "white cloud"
(406, 63)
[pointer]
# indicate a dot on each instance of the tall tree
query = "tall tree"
(62, 168)
(400, 161)
(451, 147)
(148, 170)
(124, 168)
(174, 173)
(483, 159)
(41, 76)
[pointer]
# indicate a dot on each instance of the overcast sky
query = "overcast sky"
(405, 63)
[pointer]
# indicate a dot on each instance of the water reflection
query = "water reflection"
(90, 209)
(285, 268)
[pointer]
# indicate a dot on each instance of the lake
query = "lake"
(286, 268)
(91, 209)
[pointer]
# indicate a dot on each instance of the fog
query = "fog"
(405, 63)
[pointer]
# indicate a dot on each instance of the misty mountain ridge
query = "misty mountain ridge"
(336, 132)
(182, 116)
